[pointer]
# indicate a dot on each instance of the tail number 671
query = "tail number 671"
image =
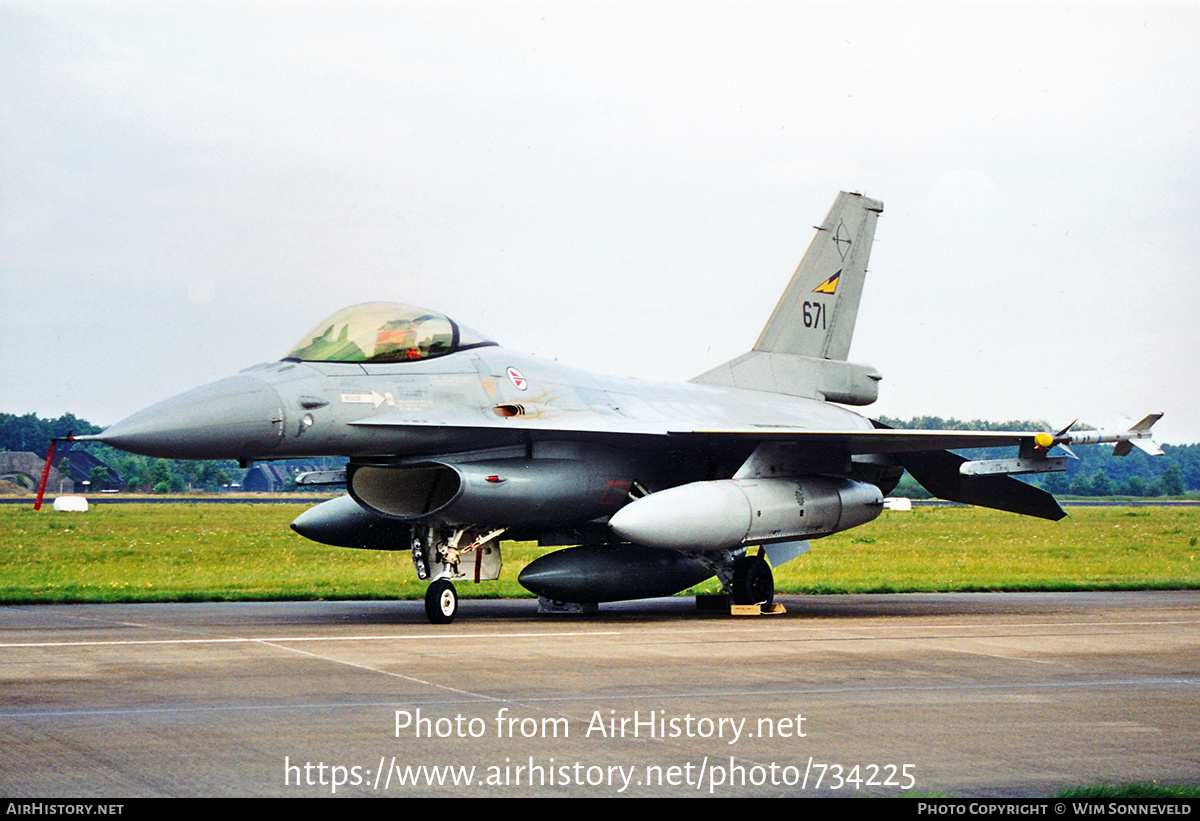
(815, 314)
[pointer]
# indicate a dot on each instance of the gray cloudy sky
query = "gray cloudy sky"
(187, 187)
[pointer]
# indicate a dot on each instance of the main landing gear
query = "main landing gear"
(753, 582)
(745, 580)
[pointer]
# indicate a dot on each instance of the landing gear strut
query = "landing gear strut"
(753, 582)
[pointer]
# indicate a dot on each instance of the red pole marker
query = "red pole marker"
(45, 475)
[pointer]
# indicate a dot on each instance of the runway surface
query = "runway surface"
(963, 694)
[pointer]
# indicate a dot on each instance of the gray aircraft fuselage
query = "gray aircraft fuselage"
(465, 401)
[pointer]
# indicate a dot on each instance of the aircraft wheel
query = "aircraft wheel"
(753, 581)
(441, 602)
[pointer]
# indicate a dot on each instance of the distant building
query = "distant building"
(68, 472)
(272, 477)
(24, 469)
(83, 468)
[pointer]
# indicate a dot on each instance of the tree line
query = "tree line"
(30, 433)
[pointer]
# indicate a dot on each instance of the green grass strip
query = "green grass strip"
(226, 552)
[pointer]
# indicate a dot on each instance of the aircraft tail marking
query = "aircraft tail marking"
(834, 268)
(829, 286)
(803, 348)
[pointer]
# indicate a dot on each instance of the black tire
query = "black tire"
(753, 582)
(441, 602)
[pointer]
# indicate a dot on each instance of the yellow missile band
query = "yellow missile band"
(1044, 440)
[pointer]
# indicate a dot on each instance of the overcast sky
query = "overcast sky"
(186, 188)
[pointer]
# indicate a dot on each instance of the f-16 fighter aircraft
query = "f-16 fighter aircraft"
(455, 443)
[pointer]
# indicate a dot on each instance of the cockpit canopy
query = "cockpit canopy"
(384, 332)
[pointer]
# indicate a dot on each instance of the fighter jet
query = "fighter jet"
(455, 443)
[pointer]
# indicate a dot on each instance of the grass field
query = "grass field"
(212, 552)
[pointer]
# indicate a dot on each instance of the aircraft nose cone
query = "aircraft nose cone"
(236, 418)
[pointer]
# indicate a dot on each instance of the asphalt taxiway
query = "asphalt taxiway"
(991, 695)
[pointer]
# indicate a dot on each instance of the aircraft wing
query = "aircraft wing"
(884, 440)
(851, 442)
(925, 454)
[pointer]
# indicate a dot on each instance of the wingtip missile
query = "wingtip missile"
(1138, 435)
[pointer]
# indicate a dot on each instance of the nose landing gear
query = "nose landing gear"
(448, 546)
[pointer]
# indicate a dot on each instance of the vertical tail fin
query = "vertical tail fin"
(815, 317)
(803, 348)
